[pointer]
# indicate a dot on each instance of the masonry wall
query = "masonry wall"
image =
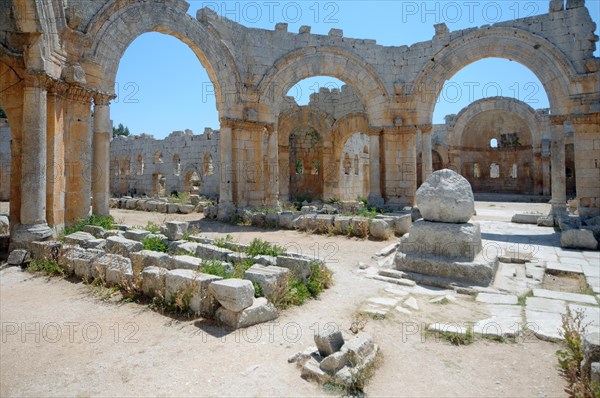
(182, 162)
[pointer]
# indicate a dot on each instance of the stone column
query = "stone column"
(33, 167)
(586, 129)
(557, 158)
(226, 169)
(375, 197)
(426, 164)
(101, 156)
(55, 158)
(272, 170)
(399, 151)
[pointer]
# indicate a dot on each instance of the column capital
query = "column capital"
(374, 130)
(38, 80)
(78, 93)
(559, 120)
(425, 128)
(103, 98)
(246, 125)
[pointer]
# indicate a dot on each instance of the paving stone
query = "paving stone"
(551, 294)
(544, 325)
(555, 268)
(411, 303)
(591, 315)
(545, 305)
(447, 328)
(492, 298)
(383, 301)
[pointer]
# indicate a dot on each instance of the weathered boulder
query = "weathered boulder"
(286, 220)
(446, 196)
(380, 229)
(578, 239)
(233, 294)
(175, 229)
(260, 311)
(329, 341)
(402, 224)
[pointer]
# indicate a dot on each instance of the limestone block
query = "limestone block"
(299, 266)
(301, 223)
(183, 247)
(161, 207)
(122, 246)
(78, 238)
(101, 263)
(149, 258)
(46, 250)
(578, 239)
(575, 4)
(95, 230)
(194, 199)
(175, 229)
(272, 220)
(360, 227)
(321, 223)
(257, 220)
(446, 196)
(286, 220)
(153, 281)
(380, 229)
(119, 272)
(151, 205)
(360, 348)
(328, 341)
(265, 260)
(525, 218)
(233, 294)
(556, 5)
(18, 257)
(334, 362)
(94, 244)
(172, 208)
(212, 252)
(4, 225)
(456, 241)
(70, 255)
(136, 234)
(402, 224)
(272, 280)
(193, 285)
(342, 224)
(260, 311)
(186, 262)
(595, 373)
(186, 209)
(311, 370)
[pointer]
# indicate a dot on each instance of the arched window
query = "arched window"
(494, 170)
(493, 143)
(157, 157)
(476, 171)
(140, 165)
(209, 168)
(355, 165)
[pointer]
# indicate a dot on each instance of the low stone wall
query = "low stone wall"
(116, 257)
(160, 205)
(323, 221)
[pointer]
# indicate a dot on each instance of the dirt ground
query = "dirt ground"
(58, 339)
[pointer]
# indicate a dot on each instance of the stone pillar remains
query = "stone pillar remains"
(426, 164)
(444, 247)
(33, 224)
(557, 158)
(101, 156)
(226, 207)
(375, 197)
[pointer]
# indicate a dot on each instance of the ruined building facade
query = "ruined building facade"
(58, 62)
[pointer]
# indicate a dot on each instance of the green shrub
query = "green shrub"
(258, 292)
(45, 266)
(214, 267)
(260, 247)
(320, 279)
(151, 227)
(106, 222)
(154, 243)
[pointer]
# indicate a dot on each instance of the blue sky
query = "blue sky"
(162, 87)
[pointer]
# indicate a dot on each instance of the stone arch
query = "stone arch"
(548, 63)
(303, 117)
(176, 165)
(119, 23)
(325, 61)
(192, 180)
(514, 165)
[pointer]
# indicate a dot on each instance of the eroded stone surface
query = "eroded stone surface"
(446, 196)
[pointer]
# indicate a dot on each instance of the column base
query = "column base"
(375, 200)
(22, 236)
(225, 212)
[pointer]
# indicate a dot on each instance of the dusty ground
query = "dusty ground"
(114, 349)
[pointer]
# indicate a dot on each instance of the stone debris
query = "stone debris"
(260, 311)
(122, 246)
(19, 257)
(174, 230)
(491, 298)
(233, 294)
(411, 303)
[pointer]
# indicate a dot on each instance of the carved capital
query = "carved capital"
(559, 120)
(238, 124)
(102, 99)
(425, 128)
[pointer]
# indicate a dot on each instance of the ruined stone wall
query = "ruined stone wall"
(182, 162)
(5, 160)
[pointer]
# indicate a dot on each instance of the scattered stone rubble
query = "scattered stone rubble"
(196, 204)
(338, 359)
(116, 257)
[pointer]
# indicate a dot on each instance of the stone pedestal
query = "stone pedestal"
(22, 236)
(444, 253)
